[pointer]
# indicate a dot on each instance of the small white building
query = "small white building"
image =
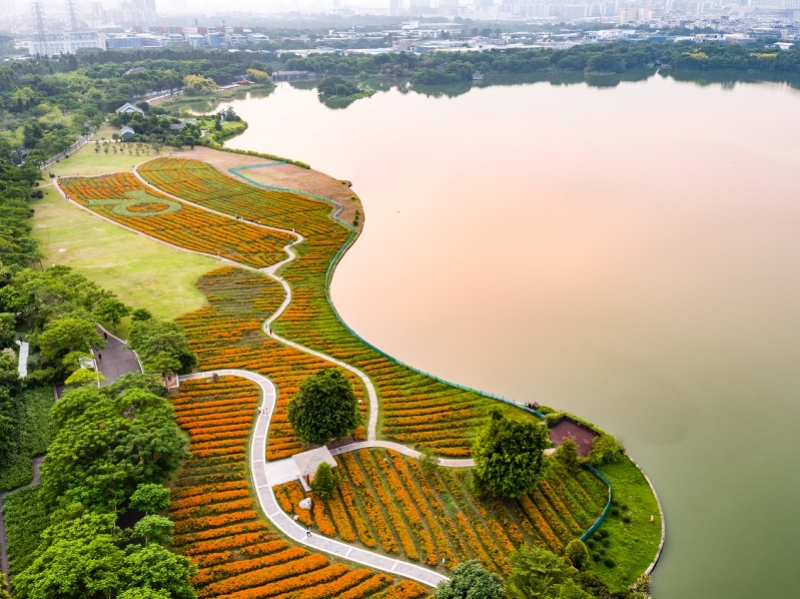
(126, 133)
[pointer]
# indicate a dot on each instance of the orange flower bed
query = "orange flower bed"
(239, 301)
(417, 409)
(188, 227)
(217, 526)
(404, 505)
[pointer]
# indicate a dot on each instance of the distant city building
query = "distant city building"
(628, 15)
(65, 42)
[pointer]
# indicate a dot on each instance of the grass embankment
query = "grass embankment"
(390, 503)
(142, 272)
(631, 539)
(26, 518)
(33, 414)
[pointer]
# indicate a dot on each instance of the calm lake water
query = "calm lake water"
(631, 254)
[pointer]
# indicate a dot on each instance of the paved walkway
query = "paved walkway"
(265, 477)
(35, 463)
(266, 497)
(22, 363)
(116, 359)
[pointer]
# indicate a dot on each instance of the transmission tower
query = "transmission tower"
(38, 17)
(73, 15)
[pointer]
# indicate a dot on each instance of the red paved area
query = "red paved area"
(583, 436)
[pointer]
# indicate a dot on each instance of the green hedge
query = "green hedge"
(26, 518)
(33, 417)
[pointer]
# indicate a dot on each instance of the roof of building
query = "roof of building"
(128, 107)
(126, 129)
(308, 461)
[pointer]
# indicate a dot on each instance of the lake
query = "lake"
(627, 253)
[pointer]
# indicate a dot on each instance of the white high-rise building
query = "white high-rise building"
(66, 42)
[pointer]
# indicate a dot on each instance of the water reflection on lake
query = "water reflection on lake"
(629, 253)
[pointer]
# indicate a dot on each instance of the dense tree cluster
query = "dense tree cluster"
(113, 448)
(618, 57)
(161, 345)
(45, 105)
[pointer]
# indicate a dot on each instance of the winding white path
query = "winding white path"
(258, 462)
(284, 522)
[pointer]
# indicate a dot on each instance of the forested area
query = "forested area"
(92, 527)
(45, 105)
(618, 57)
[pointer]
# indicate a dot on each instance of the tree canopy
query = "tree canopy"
(162, 346)
(325, 408)
(105, 447)
(470, 580)
(509, 455)
(325, 481)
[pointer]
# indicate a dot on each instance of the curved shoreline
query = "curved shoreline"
(654, 563)
(418, 573)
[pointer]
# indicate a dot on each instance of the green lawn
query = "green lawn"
(88, 162)
(632, 545)
(142, 272)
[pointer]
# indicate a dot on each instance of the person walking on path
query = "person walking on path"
(308, 530)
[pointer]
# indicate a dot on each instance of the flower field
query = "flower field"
(216, 520)
(388, 502)
(227, 334)
(124, 199)
(417, 409)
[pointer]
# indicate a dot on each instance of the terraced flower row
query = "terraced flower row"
(417, 409)
(387, 501)
(216, 521)
(227, 334)
(189, 227)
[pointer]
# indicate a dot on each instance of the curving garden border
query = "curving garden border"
(267, 500)
(354, 233)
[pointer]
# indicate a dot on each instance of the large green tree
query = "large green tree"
(539, 574)
(509, 455)
(106, 446)
(325, 408)
(69, 334)
(79, 558)
(162, 346)
(470, 580)
(155, 567)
